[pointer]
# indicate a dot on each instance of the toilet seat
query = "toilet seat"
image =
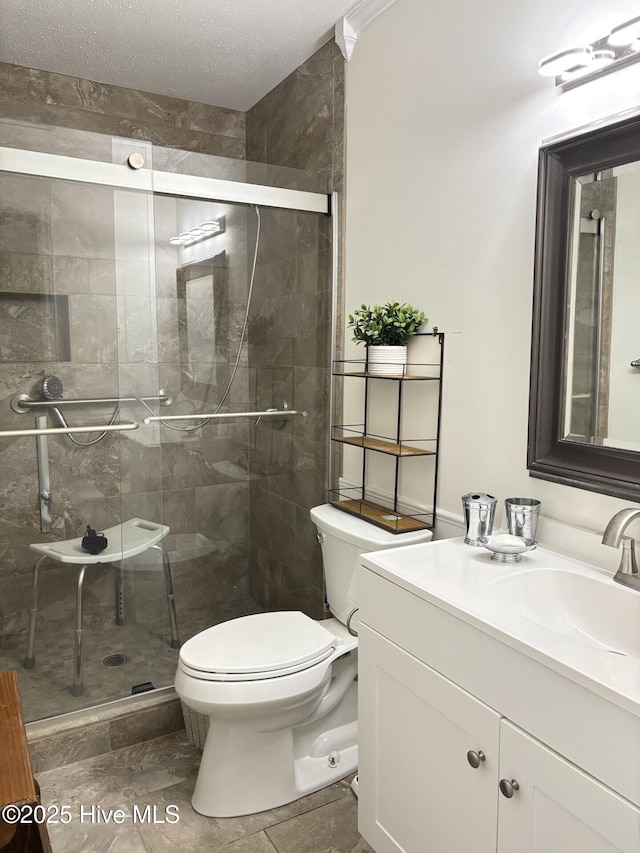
(262, 646)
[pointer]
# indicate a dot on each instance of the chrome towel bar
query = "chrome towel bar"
(269, 413)
(15, 433)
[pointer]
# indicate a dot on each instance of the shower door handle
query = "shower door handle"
(636, 363)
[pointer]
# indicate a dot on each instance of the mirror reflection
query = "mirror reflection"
(602, 335)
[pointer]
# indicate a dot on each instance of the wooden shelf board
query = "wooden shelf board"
(407, 376)
(382, 516)
(383, 446)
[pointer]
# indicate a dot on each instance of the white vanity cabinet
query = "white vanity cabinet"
(558, 808)
(454, 732)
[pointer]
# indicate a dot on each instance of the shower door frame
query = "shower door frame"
(58, 166)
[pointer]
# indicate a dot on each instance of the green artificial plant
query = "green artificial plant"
(385, 325)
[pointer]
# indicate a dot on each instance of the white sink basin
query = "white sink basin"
(591, 610)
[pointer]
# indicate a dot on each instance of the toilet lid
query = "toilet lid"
(264, 645)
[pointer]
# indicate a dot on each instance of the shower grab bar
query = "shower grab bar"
(269, 413)
(16, 433)
(22, 403)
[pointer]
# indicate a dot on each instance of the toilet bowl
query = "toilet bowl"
(279, 689)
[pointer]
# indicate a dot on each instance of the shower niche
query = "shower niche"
(34, 327)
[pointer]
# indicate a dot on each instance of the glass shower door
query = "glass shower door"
(58, 318)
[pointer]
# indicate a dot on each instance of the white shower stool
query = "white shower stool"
(124, 541)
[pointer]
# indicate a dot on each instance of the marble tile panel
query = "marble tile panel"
(256, 139)
(23, 232)
(30, 272)
(82, 837)
(194, 831)
(308, 555)
(282, 148)
(124, 775)
(141, 466)
(315, 71)
(18, 129)
(181, 138)
(332, 825)
(272, 520)
(311, 394)
(217, 120)
(93, 328)
(58, 750)
(146, 725)
(137, 330)
(313, 135)
(82, 220)
(85, 473)
(75, 92)
(27, 84)
(70, 275)
(168, 338)
(277, 587)
(33, 326)
(310, 476)
(211, 579)
(178, 509)
(272, 460)
(6, 282)
(314, 270)
(222, 512)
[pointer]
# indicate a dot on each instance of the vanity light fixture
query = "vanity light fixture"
(577, 65)
(207, 229)
(564, 60)
(625, 34)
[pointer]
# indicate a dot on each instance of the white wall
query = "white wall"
(445, 113)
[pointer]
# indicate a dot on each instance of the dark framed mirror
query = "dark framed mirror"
(584, 403)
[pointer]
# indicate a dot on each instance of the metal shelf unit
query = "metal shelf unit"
(355, 500)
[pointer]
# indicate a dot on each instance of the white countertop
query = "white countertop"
(458, 579)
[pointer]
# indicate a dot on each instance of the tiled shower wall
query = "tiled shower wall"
(299, 124)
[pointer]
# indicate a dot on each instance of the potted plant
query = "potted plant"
(384, 330)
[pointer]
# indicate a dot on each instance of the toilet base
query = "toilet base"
(244, 771)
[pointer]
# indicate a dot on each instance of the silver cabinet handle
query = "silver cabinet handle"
(508, 789)
(475, 759)
(635, 362)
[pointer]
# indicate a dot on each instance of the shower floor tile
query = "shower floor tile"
(46, 689)
(144, 779)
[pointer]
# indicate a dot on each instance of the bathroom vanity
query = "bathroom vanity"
(499, 704)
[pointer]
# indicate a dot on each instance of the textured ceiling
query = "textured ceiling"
(224, 52)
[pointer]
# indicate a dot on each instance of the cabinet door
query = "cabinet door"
(558, 808)
(418, 792)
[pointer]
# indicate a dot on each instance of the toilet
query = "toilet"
(279, 689)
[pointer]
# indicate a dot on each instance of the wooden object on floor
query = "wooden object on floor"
(17, 785)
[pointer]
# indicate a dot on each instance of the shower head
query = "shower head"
(51, 388)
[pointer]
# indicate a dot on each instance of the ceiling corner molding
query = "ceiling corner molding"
(357, 18)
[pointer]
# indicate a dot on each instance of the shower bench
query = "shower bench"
(125, 540)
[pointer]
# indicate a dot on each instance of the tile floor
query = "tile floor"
(162, 772)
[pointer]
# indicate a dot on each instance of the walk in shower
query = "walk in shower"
(142, 288)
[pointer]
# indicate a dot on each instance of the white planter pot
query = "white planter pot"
(386, 361)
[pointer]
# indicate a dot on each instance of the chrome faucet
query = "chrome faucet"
(627, 573)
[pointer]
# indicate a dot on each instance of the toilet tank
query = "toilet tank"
(343, 537)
